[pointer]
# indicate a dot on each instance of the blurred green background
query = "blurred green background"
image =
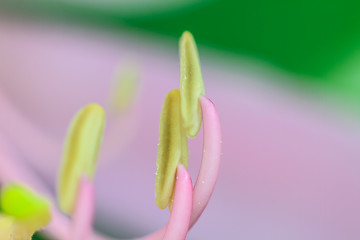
(306, 37)
(316, 42)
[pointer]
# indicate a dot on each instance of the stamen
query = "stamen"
(172, 150)
(210, 162)
(81, 151)
(191, 84)
(25, 212)
(179, 221)
(124, 89)
(84, 212)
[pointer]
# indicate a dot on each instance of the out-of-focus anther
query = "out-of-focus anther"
(172, 148)
(81, 152)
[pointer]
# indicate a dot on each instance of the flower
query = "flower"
(76, 196)
(290, 165)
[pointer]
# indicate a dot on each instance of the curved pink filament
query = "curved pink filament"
(210, 163)
(83, 217)
(179, 221)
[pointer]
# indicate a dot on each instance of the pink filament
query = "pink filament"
(179, 221)
(210, 164)
(83, 216)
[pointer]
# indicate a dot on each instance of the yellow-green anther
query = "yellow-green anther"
(22, 203)
(172, 149)
(81, 152)
(124, 89)
(191, 84)
(24, 212)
